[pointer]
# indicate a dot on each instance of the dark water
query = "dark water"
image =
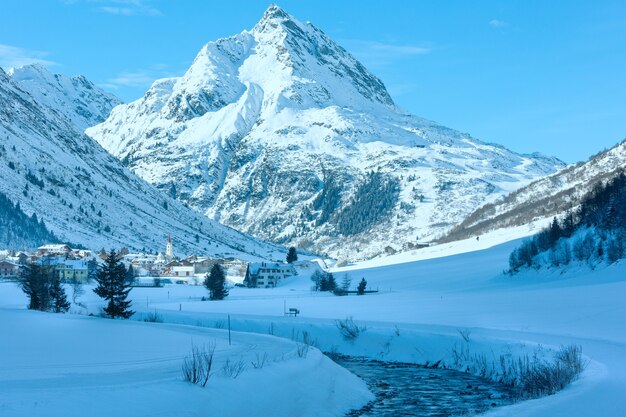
(411, 390)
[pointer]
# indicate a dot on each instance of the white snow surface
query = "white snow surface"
(416, 317)
(263, 121)
(84, 195)
(101, 367)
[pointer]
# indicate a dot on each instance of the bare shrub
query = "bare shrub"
(333, 353)
(535, 377)
(77, 289)
(197, 366)
(260, 361)
(307, 339)
(302, 349)
(460, 355)
(153, 318)
(349, 329)
(465, 334)
(233, 369)
(546, 378)
(219, 324)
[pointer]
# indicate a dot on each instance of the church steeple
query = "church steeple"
(169, 250)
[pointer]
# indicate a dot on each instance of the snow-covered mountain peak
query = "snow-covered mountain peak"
(76, 98)
(281, 63)
(30, 72)
(280, 132)
(276, 20)
(274, 11)
(322, 68)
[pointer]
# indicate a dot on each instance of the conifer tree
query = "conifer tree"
(130, 275)
(362, 286)
(292, 255)
(43, 287)
(113, 288)
(324, 283)
(345, 283)
(215, 282)
(59, 303)
(35, 282)
(332, 284)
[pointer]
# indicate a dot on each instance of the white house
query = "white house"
(8, 269)
(56, 249)
(267, 275)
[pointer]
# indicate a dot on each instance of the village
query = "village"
(146, 269)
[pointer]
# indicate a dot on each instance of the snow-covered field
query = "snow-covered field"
(65, 365)
(416, 316)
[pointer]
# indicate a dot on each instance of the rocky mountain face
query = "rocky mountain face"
(281, 133)
(544, 198)
(82, 193)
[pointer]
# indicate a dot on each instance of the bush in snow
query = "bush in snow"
(233, 369)
(541, 378)
(260, 361)
(153, 318)
(349, 329)
(197, 365)
(528, 377)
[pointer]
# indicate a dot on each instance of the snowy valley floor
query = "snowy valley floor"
(62, 365)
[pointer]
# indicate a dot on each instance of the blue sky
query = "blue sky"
(546, 76)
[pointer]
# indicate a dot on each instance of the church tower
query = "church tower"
(169, 250)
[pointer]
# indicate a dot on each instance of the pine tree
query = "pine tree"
(130, 275)
(215, 282)
(113, 288)
(332, 284)
(292, 255)
(324, 283)
(345, 286)
(35, 282)
(328, 283)
(362, 286)
(43, 287)
(345, 283)
(58, 296)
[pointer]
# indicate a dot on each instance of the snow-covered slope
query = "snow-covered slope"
(281, 133)
(76, 98)
(100, 367)
(544, 198)
(85, 195)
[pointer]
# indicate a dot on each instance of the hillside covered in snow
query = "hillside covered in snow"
(75, 98)
(544, 198)
(281, 133)
(83, 194)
